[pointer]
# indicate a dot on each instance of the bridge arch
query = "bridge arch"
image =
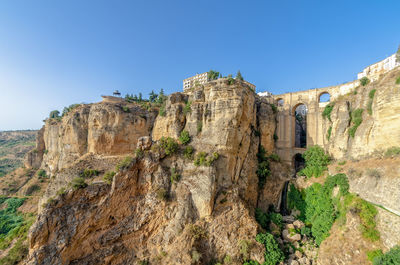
(324, 97)
(299, 117)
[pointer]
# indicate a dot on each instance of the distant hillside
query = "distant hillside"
(13, 147)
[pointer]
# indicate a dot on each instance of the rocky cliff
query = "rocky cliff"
(163, 207)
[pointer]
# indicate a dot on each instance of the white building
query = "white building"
(375, 70)
(188, 83)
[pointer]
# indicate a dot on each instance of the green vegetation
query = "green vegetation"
(13, 228)
(273, 254)
(364, 81)
(398, 81)
(169, 145)
(55, 114)
(188, 108)
(274, 157)
(69, 108)
(42, 173)
(328, 135)
(275, 137)
(124, 164)
(125, 109)
(239, 76)
(264, 219)
(392, 151)
(392, 257)
(184, 138)
(212, 75)
(109, 176)
(263, 170)
(274, 108)
(139, 153)
(356, 119)
(188, 152)
(316, 162)
(199, 126)
(371, 100)
(231, 80)
(327, 111)
(61, 192)
(162, 194)
(13, 147)
(162, 110)
(78, 183)
(175, 177)
(89, 173)
(204, 159)
(367, 213)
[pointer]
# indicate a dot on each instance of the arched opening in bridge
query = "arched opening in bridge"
(300, 133)
(324, 97)
(279, 102)
(298, 162)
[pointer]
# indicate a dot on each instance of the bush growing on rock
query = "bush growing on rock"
(398, 81)
(356, 119)
(31, 189)
(316, 162)
(273, 254)
(200, 159)
(109, 176)
(139, 153)
(392, 151)
(184, 138)
(124, 164)
(175, 177)
(327, 111)
(78, 183)
(66, 110)
(162, 194)
(89, 173)
(188, 152)
(188, 108)
(55, 114)
(169, 145)
(364, 81)
(392, 257)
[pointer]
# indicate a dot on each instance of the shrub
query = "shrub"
(327, 111)
(188, 152)
(109, 176)
(262, 218)
(356, 119)
(42, 173)
(276, 218)
(162, 110)
(392, 151)
(139, 153)
(398, 81)
(125, 109)
(188, 108)
(31, 189)
(275, 157)
(372, 254)
(274, 108)
(367, 213)
(88, 173)
(296, 201)
(231, 80)
(328, 135)
(392, 257)
(124, 164)
(372, 93)
(55, 114)
(275, 137)
(210, 160)
(69, 108)
(78, 183)
(370, 101)
(169, 145)
(199, 126)
(364, 81)
(273, 254)
(316, 162)
(61, 192)
(184, 138)
(200, 159)
(175, 177)
(197, 232)
(17, 253)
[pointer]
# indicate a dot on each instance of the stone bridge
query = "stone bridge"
(286, 145)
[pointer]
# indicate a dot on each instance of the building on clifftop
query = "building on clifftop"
(374, 71)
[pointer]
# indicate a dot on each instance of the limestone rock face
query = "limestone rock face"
(34, 158)
(159, 208)
(378, 131)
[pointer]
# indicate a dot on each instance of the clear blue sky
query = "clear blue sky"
(55, 53)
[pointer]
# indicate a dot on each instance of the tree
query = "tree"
(239, 76)
(152, 96)
(135, 98)
(212, 75)
(140, 99)
(161, 97)
(54, 114)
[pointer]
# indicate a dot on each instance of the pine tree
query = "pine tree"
(140, 99)
(239, 76)
(152, 96)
